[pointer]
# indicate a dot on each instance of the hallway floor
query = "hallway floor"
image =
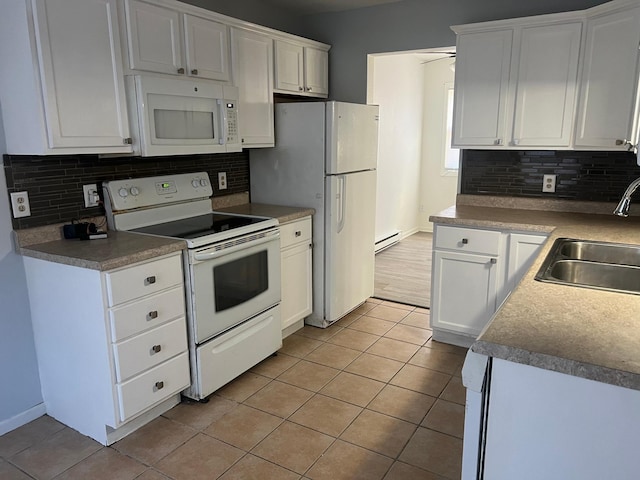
(371, 397)
(403, 271)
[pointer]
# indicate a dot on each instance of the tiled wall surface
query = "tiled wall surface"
(592, 176)
(54, 184)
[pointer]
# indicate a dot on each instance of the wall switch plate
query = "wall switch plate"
(222, 180)
(20, 204)
(91, 197)
(549, 183)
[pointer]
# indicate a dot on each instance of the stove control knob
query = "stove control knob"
(195, 182)
(203, 182)
(123, 192)
(134, 191)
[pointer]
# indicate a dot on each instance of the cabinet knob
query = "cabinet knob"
(127, 141)
(516, 141)
(152, 315)
(298, 233)
(159, 385)
(194, 71)
(156, 348)
(150, 280)
(497, 141)
(308, 89)
(181, 71)
(465, 241)
(494, 260)
(301, 88)
(620, 142)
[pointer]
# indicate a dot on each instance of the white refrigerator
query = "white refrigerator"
(325, 158)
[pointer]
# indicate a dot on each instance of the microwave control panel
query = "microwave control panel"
(232, 122)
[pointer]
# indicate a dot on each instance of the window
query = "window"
(451, 156)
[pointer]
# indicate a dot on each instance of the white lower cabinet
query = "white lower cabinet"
(473, 272)
(111, 346)
(297, 294)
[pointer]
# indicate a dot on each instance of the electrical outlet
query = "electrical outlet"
(91, 197)
(222, 180)
(549, 183)
(20, 204)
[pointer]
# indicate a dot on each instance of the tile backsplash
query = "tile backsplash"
(591, 176)
(54, 183)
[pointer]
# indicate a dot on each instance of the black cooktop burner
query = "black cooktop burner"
(200, 226)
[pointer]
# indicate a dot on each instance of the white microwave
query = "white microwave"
(182, 117)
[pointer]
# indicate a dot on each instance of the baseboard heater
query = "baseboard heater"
(387, 241)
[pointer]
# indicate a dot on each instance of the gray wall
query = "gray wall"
(407, 25)
(255, 11)
(18, 364)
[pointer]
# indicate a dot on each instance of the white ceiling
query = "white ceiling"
(306, 7)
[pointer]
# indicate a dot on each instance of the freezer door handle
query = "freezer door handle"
(342, 201)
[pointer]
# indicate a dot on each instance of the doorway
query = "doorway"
(414, 182)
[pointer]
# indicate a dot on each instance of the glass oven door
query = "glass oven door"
(233, 282)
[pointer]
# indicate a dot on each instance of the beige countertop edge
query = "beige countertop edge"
(583, 332)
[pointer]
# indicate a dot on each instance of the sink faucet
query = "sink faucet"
(622, 209)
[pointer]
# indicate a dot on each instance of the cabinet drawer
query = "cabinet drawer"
(149, 349)
(153, 386)
(468, 240)
(143, 279)
(295, 232)
(134, 318)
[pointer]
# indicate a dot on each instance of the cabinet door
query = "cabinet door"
(154, 38)
(316, 68)
(253, 75)
(545, 91)
(207, 48)
(482, 87)
(522, 251)
(296, 284)
(464, 291)
(609, 81)
(289, 67)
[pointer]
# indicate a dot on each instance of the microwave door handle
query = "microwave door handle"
(222, 122)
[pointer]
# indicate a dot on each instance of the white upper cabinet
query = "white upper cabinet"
(545, 85)
(64, 90)
(609, 81)
(164, 40)
(515, 87)
(301, 70)
(252, 57)
(481, 88)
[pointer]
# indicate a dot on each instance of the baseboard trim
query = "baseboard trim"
(388, 241)
(22, 418)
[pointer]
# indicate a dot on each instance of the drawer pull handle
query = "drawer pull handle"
(298, 233)
(153, 314)
(150, 280)
(494, 260)
(159, 385)
(156, 348)
(465, 241)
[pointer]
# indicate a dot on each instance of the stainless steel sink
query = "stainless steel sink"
(601, 252)
(605, 266)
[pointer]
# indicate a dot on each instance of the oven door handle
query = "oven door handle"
(212, 253)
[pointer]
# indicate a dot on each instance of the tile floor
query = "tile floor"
(371, 397)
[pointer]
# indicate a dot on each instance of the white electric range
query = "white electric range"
(231, 267)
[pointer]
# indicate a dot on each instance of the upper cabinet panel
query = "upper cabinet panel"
(301, 69)
(207, 47)
(153, 34)
(481, 87)
(289, 67)
(609, 81)
(316, 67)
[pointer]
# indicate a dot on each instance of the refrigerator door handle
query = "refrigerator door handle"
(342, 201)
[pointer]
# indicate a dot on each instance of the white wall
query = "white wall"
(395, 83)
(20, 394)
(437, 190)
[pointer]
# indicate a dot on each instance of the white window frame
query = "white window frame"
(447, 122)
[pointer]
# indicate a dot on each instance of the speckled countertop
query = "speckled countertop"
(583, 332)
(122, 248)
(282, 213)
